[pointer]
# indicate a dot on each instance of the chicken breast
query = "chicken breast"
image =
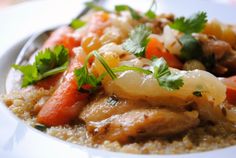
(103, 107)
(141, 123)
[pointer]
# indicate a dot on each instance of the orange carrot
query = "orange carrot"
(231, 89)
(49, 82)
(66, 102)
(64, 36)
(156, 49)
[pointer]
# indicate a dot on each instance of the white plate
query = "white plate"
(20, 141)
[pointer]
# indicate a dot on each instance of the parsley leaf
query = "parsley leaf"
(47, 63)
(137, 40)
(191, 47)
(195, 23)
(77, 23)
(135, 15)
(163, 75)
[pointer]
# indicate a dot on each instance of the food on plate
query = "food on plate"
(133, 82)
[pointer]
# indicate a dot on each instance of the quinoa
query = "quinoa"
(202, 138)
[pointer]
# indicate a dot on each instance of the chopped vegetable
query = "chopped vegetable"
(47, 63)
(66, 101)
(165, 78)
(197, 93)
(191, 47)
(231, 89)
(137, 41)
(63, 36)
(193, 24)
(134, 14)
(155, 48)
(77, 23)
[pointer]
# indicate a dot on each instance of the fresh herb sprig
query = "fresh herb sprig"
(47, 63)
(84, 77)
(95, 6)
(193, 24)
(137, 41)
(77, 23)
(191, 48)
(161, 72)
(151, 11)
(135, 15)
(163, 75)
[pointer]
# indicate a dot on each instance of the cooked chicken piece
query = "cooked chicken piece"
(141, 123)
(103, 107)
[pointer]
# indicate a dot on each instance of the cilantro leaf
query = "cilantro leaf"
(165, 78)
(150, 13)
(30, 74)
(96, 7)
(77, 23)
(137, 40)
(195, 23)
(47, 63)
(134, 14)
(83, 76)
(191, 47)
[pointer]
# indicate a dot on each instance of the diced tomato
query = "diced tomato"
(156, 49)
(64, 36)
(231, 89)
(66, 102)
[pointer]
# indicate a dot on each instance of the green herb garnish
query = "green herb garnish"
(84, 77)
(47, 63)
(191, 47)
(151, 11)
(135, 15)
(96, 7)
(137, 41)
(40, 127)
(161, 72)
(163, 75)
(197, 93)
(77, 23)
(193, 24)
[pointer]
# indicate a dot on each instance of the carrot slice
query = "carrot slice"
(156, 49)
(66, 102)
(64, 36)
(231, 89)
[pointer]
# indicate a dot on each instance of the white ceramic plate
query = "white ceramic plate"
(17, 140)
